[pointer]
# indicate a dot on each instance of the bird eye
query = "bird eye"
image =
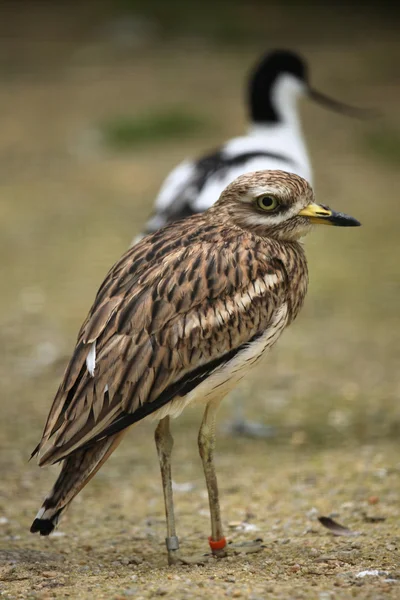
(267, 202)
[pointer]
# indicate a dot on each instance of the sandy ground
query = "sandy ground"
(70, 206)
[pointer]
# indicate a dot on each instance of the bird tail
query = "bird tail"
(76, 471)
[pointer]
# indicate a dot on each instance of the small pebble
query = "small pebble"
(373, 500)
(312, 513)
(49, 574)
(391, 547)
(131, 591)
(294, 568)
(234, 524)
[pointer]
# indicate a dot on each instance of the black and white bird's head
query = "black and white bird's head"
(278, 81)
(276, 204)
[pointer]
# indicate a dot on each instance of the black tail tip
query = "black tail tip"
(43, 526)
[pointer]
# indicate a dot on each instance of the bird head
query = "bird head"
(277, 204)
(279, 79)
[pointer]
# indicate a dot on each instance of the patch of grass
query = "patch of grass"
(125, 132)
(384, 144)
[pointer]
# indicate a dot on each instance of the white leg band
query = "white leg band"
(172, 543)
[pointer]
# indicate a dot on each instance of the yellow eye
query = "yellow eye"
(267, 202)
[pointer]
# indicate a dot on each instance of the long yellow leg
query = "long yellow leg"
(206, 442)
(164, 444)
(206, 448)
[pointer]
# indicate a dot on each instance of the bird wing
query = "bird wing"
(175, 198)
(179, 192)
(173, 309)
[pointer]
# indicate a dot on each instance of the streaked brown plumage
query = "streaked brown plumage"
(180, 317)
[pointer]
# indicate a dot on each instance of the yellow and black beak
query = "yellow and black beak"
(322, 215)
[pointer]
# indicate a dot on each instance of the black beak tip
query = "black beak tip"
(343, 220)
(353, 223)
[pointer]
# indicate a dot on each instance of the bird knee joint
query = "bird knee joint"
(164, 442)
(206, 447)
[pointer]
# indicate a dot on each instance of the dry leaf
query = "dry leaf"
(336, 528)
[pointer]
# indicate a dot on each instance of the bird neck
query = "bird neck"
(275, 102)
(290, 258)
(297, 273)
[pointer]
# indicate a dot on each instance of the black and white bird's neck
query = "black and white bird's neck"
(278, 104)
(274, 85)
(275, 135)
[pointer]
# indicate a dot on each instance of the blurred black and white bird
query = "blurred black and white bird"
(274, 140)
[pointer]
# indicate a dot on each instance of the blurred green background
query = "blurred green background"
(98, 101)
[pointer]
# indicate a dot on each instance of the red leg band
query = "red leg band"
(217, 545)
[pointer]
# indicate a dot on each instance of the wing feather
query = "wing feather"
(156, 321)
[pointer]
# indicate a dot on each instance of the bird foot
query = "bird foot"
(251, 429)
(233, 549)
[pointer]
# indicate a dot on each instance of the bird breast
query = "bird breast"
(225, 378)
